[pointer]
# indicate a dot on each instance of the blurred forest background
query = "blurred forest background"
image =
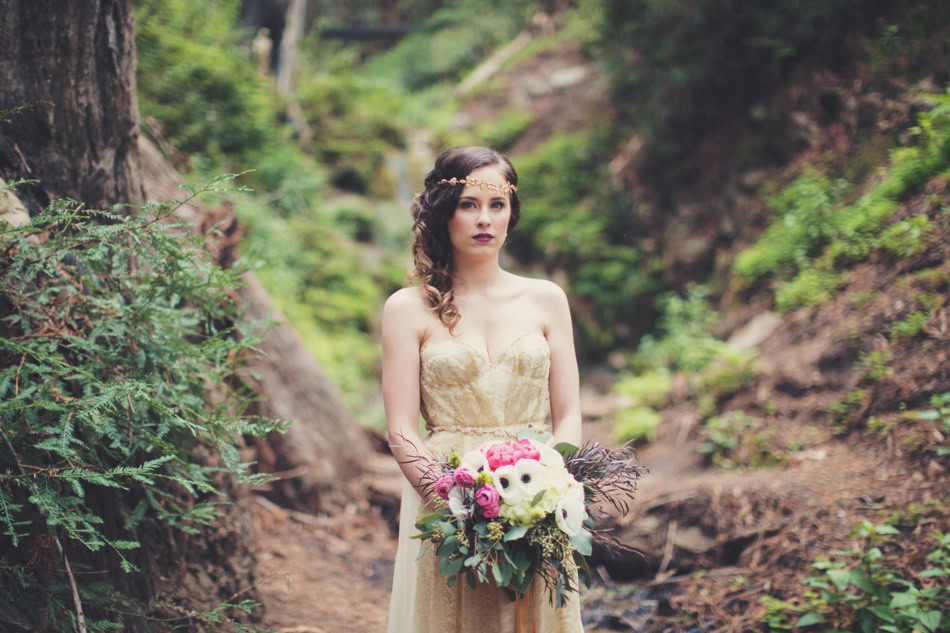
(746, 202)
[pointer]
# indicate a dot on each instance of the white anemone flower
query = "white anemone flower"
(531, 476)
(508, 486)
(476, 462)
(576, 492)
(569, 515)
(460, 502)
(550, 458)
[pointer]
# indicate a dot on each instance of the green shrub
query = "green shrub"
(803, 223)
(636, 424)
(861, 298)
(738, 440)
(211, 103)
(876, 366)
(355, 123)
(119, 345)
(908, 237)
(328, 284)
(867, 590)
(816, 234)
(684, 342)
(572, 221)
(810, 287)
(651, 388)
(908, 327)
(940, 412)
(843, 411)
(451, 41)
(680, 68)
(502, 131)
(731, 370)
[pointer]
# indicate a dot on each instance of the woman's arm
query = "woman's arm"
(564, 380)
(401, 337)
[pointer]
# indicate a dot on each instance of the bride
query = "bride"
(481, 353)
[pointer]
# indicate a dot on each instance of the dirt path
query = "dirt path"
(323, 574)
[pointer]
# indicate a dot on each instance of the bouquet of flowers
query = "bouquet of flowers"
(511, 511)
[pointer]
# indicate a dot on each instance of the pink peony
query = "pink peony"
(507, 453)
(464, 477)
(499, 455)
(530, 451)
(488, 500)
(443, 485)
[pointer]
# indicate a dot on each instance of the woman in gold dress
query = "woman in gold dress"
(481, 353)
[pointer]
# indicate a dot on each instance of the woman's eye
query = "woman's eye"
(498, 205)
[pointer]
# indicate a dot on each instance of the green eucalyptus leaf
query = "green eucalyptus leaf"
(583, 542)
(566, 450)
(447, 528)
(515, 533)
(497, 575)
(423, 523)
(449, 546)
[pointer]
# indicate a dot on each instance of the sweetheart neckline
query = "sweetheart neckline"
(475, 351)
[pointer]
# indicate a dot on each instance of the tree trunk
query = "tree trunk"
(71, 65)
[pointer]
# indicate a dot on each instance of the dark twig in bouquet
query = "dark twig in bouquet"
(609, 475)
(555, 582)
(430, 470)
(613, 547)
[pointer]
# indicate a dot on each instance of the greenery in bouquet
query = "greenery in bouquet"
(509, 512)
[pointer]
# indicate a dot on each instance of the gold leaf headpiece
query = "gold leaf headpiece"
(506, 188)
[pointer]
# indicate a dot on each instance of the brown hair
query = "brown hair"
(433, 208)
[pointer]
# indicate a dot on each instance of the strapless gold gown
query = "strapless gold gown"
(467, 401)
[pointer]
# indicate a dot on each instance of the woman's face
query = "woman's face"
(479, 226)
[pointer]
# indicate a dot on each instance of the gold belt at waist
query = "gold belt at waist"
(507, 429)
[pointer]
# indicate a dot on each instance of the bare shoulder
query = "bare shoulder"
(404, 301)
(546, 293)
(405, 311)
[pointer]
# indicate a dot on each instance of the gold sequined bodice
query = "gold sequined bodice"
(467, 400)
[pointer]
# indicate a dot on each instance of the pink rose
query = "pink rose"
(464, 477)
(488, 500)
(443, 485)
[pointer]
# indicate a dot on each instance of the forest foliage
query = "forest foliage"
(121, 345)
(338, 258)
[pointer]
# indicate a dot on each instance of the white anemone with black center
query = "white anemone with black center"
(475, 461)
(460, 502)
(530, 476)
(508, 485)
(569, 515)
